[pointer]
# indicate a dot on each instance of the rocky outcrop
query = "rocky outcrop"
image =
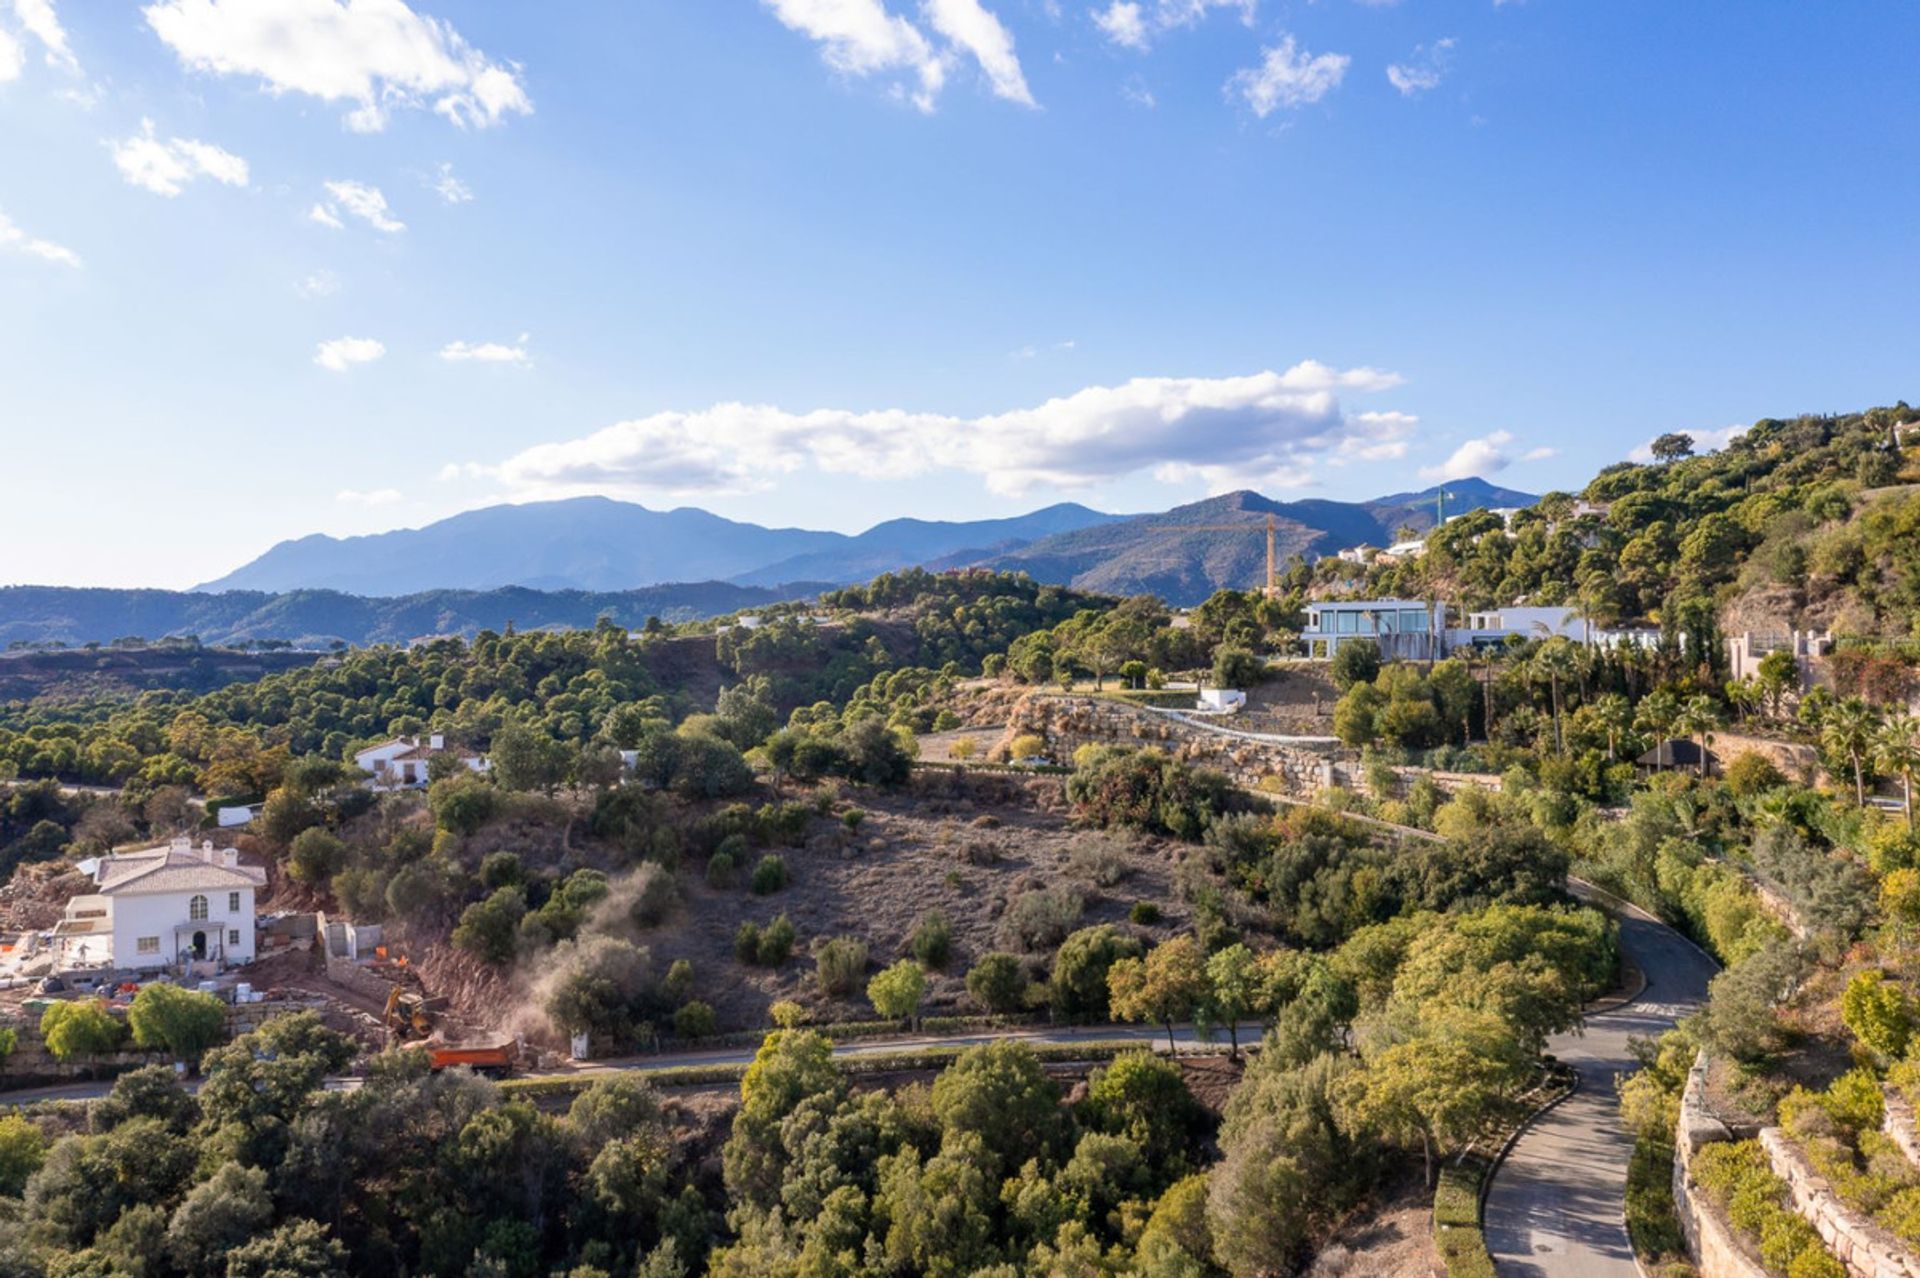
(1866, 1249)
(1710, 1240)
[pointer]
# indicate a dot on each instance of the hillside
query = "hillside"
(316, 618)
(1182, 557)
(597, 544)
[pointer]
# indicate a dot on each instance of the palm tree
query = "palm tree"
(1656, 716)
(1848, 729)
(1554, 660)
(1698, 717)
(1614, 714)
(1896, 747)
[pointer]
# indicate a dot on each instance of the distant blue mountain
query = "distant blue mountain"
(597, 544)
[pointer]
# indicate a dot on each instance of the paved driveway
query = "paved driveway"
(1558, 1203)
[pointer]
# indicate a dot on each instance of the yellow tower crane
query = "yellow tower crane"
(1272, 588)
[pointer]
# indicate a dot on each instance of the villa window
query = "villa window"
(233, 902)
(1346, 623)
(197, 908)
(147, 945)
(233, 936)
(1413, 620)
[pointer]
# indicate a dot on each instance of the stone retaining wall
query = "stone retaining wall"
(1867, 1250)
(1710, 1240)
(31, 1064)
(1899, 1124)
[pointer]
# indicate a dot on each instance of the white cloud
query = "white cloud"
(1135, 24)
(1288, 77)
(1543, 453)
(166, 167)
(318, 284)
(362, 201)
(368, 497)
(1137, 92)
(37, 19)
(448, 187)
(486, 352)
(1265, 428)
(13, 239)
(1124, 23)
(1704, 441)
(1424, 70)
(1481, 457)
(862, 38)
(971, 28)
(377, 54)
(342, 353)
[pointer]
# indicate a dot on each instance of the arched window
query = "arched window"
(197, 908)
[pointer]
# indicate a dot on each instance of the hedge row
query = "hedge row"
(865, 1063)
(1456, 1219)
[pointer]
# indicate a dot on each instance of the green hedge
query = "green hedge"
(865, 1063)
(1456, 1220)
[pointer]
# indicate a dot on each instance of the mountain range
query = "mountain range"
(595, 543)
(568, 563)
(598, 544)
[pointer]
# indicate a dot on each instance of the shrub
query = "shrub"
(963, 748)
(1041, 919)
(839, 965)
(932, 942)
(852, 818)
(1096, 861)
(316, 856)
(1144, 913)
(501, 869)
(694, 1020)
(1027, 746)
(787, 1014)
(746, 942)
(1355, 661)
(770, 875)
(998, 983)
(79, 1029)
(1752, 773)
(896, 992)
(185, 1022)
(487, 929)
(1078, 985)
(776, 942)
(679, 982)
(1737, 1177)
(720, 870)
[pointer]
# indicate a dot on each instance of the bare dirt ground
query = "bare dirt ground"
(1390, 1236)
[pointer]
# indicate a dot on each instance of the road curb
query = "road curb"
(1499, 1156)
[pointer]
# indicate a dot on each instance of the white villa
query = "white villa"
(401, 764)
(162, 907)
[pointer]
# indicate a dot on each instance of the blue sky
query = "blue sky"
(298, 265)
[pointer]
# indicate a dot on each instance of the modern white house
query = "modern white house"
(1409, 630)
(173, 906)
(1405, 629)
(401, 764)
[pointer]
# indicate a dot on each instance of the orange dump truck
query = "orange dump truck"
(492, 1054)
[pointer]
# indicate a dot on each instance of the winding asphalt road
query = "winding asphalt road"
(1557, 1208)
